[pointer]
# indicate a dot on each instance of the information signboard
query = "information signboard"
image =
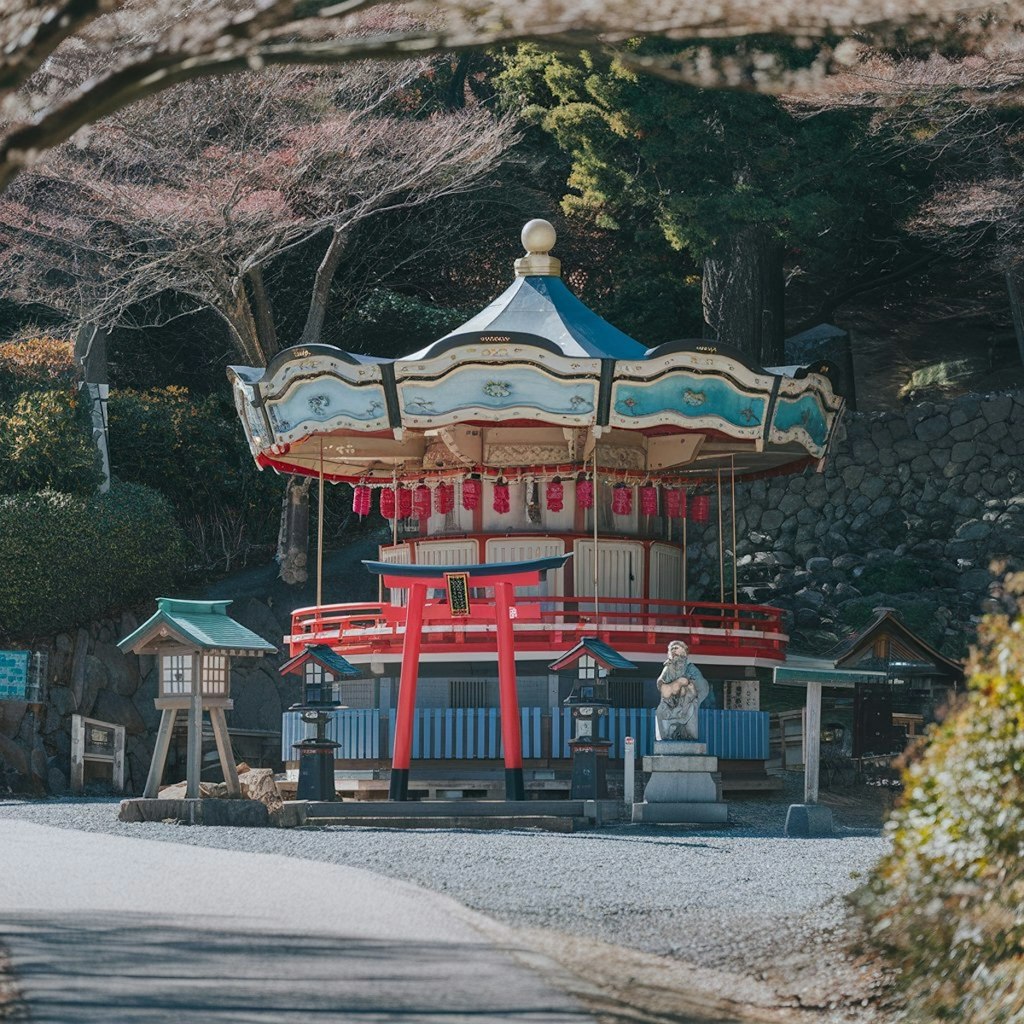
(14, 666)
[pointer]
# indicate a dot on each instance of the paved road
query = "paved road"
(130, 931)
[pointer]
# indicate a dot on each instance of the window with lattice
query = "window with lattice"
(467, 693)
(176, 673)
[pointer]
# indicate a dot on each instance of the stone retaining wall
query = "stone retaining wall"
(88, 675)
(912, 511)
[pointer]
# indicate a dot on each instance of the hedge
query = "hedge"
(66, 560)
(945, 906)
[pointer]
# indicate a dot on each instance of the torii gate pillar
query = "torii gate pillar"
(455, 583)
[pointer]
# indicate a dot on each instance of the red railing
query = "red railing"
(628, 624)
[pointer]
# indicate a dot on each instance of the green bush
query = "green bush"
(65, 559)
(38, 363)
(49, 444)
(900, 576)
(945, 905)
(192, 449)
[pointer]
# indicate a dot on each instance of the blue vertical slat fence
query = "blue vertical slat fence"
(475, 733)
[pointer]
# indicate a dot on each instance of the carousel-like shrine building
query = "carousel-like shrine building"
(538, 430)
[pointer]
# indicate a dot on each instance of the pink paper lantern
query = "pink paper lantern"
(421, 501)
(404, 503)
(361, 500)
(700, 508)
(501, 499)
(585, 494)
(622, 500)
(387, 503)
(472, 490)
(554, 494)
(649, 500)
(444, 499)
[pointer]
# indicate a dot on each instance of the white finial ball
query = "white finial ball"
(538, 236)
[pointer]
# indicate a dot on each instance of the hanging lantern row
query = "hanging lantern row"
(420, 501)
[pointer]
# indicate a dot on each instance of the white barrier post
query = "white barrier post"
(629, 768)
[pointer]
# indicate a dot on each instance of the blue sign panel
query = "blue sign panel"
(14, 674)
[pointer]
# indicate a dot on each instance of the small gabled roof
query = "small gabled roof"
(325, 657)
(606, 656)
(909, 645)
(206, 624)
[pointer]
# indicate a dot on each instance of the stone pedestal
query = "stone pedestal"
(684, 787)
(808, 820)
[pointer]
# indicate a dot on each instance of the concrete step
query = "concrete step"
(546, 822)
(681, 813)
(447, 808)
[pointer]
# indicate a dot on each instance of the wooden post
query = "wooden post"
(227, 759)
(77, 754)
(597, 572)
(732, 510)
(721, 545)
(812, 743)
(163, 744)
(118, 767)
(195, 731)
(320, 532)
(511, 732)
(399, 787)
(685, 567)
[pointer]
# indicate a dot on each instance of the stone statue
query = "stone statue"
(683, 689)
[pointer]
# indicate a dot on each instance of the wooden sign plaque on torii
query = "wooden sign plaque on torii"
(456, 582)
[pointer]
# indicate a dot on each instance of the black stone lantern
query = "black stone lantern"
(589, 703)
(320, 668)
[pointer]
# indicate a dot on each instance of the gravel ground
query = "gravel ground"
(744, 900)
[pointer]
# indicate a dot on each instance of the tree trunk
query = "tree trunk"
(91, 354)
(1013, 287)
(743, 293)
(293, 537)
(263, 313)
(322, 288)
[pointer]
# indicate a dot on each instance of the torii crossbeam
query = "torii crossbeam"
(455, 583)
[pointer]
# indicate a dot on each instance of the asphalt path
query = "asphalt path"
(130, 931)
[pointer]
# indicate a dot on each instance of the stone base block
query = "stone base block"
(243, 813)
(681, 813)
(808, 820)
(680, 763)
(682, 787)
(679, 747)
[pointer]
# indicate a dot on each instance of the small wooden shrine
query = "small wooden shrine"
(193, 643)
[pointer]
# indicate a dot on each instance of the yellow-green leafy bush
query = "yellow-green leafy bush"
(946, 906)
(48, 443)
(65, 559)
(37, 363)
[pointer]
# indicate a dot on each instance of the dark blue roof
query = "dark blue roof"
(597, 649)
(544, 308)
(326, 657)
(482, 570)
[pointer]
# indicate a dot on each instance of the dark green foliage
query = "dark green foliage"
(698, 165)
(945, 905)
(192, 449)
(66, 559)
(387, 323)
(49, 444)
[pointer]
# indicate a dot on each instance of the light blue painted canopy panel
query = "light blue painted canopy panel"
(545, 308)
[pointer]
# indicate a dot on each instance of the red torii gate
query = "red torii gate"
(456, 581)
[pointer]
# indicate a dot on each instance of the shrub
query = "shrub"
(900, 576)
(36, 363)
(192, 449)
(945, 905)
(49, 444)
(66, 559)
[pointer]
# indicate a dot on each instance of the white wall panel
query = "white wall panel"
(666, 573)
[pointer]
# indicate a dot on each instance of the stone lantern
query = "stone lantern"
(589, 703)
(320, 668)
(193, 643)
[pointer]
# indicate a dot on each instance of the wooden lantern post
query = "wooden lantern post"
(193, 642)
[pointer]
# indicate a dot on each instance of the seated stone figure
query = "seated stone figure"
(683, 689)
